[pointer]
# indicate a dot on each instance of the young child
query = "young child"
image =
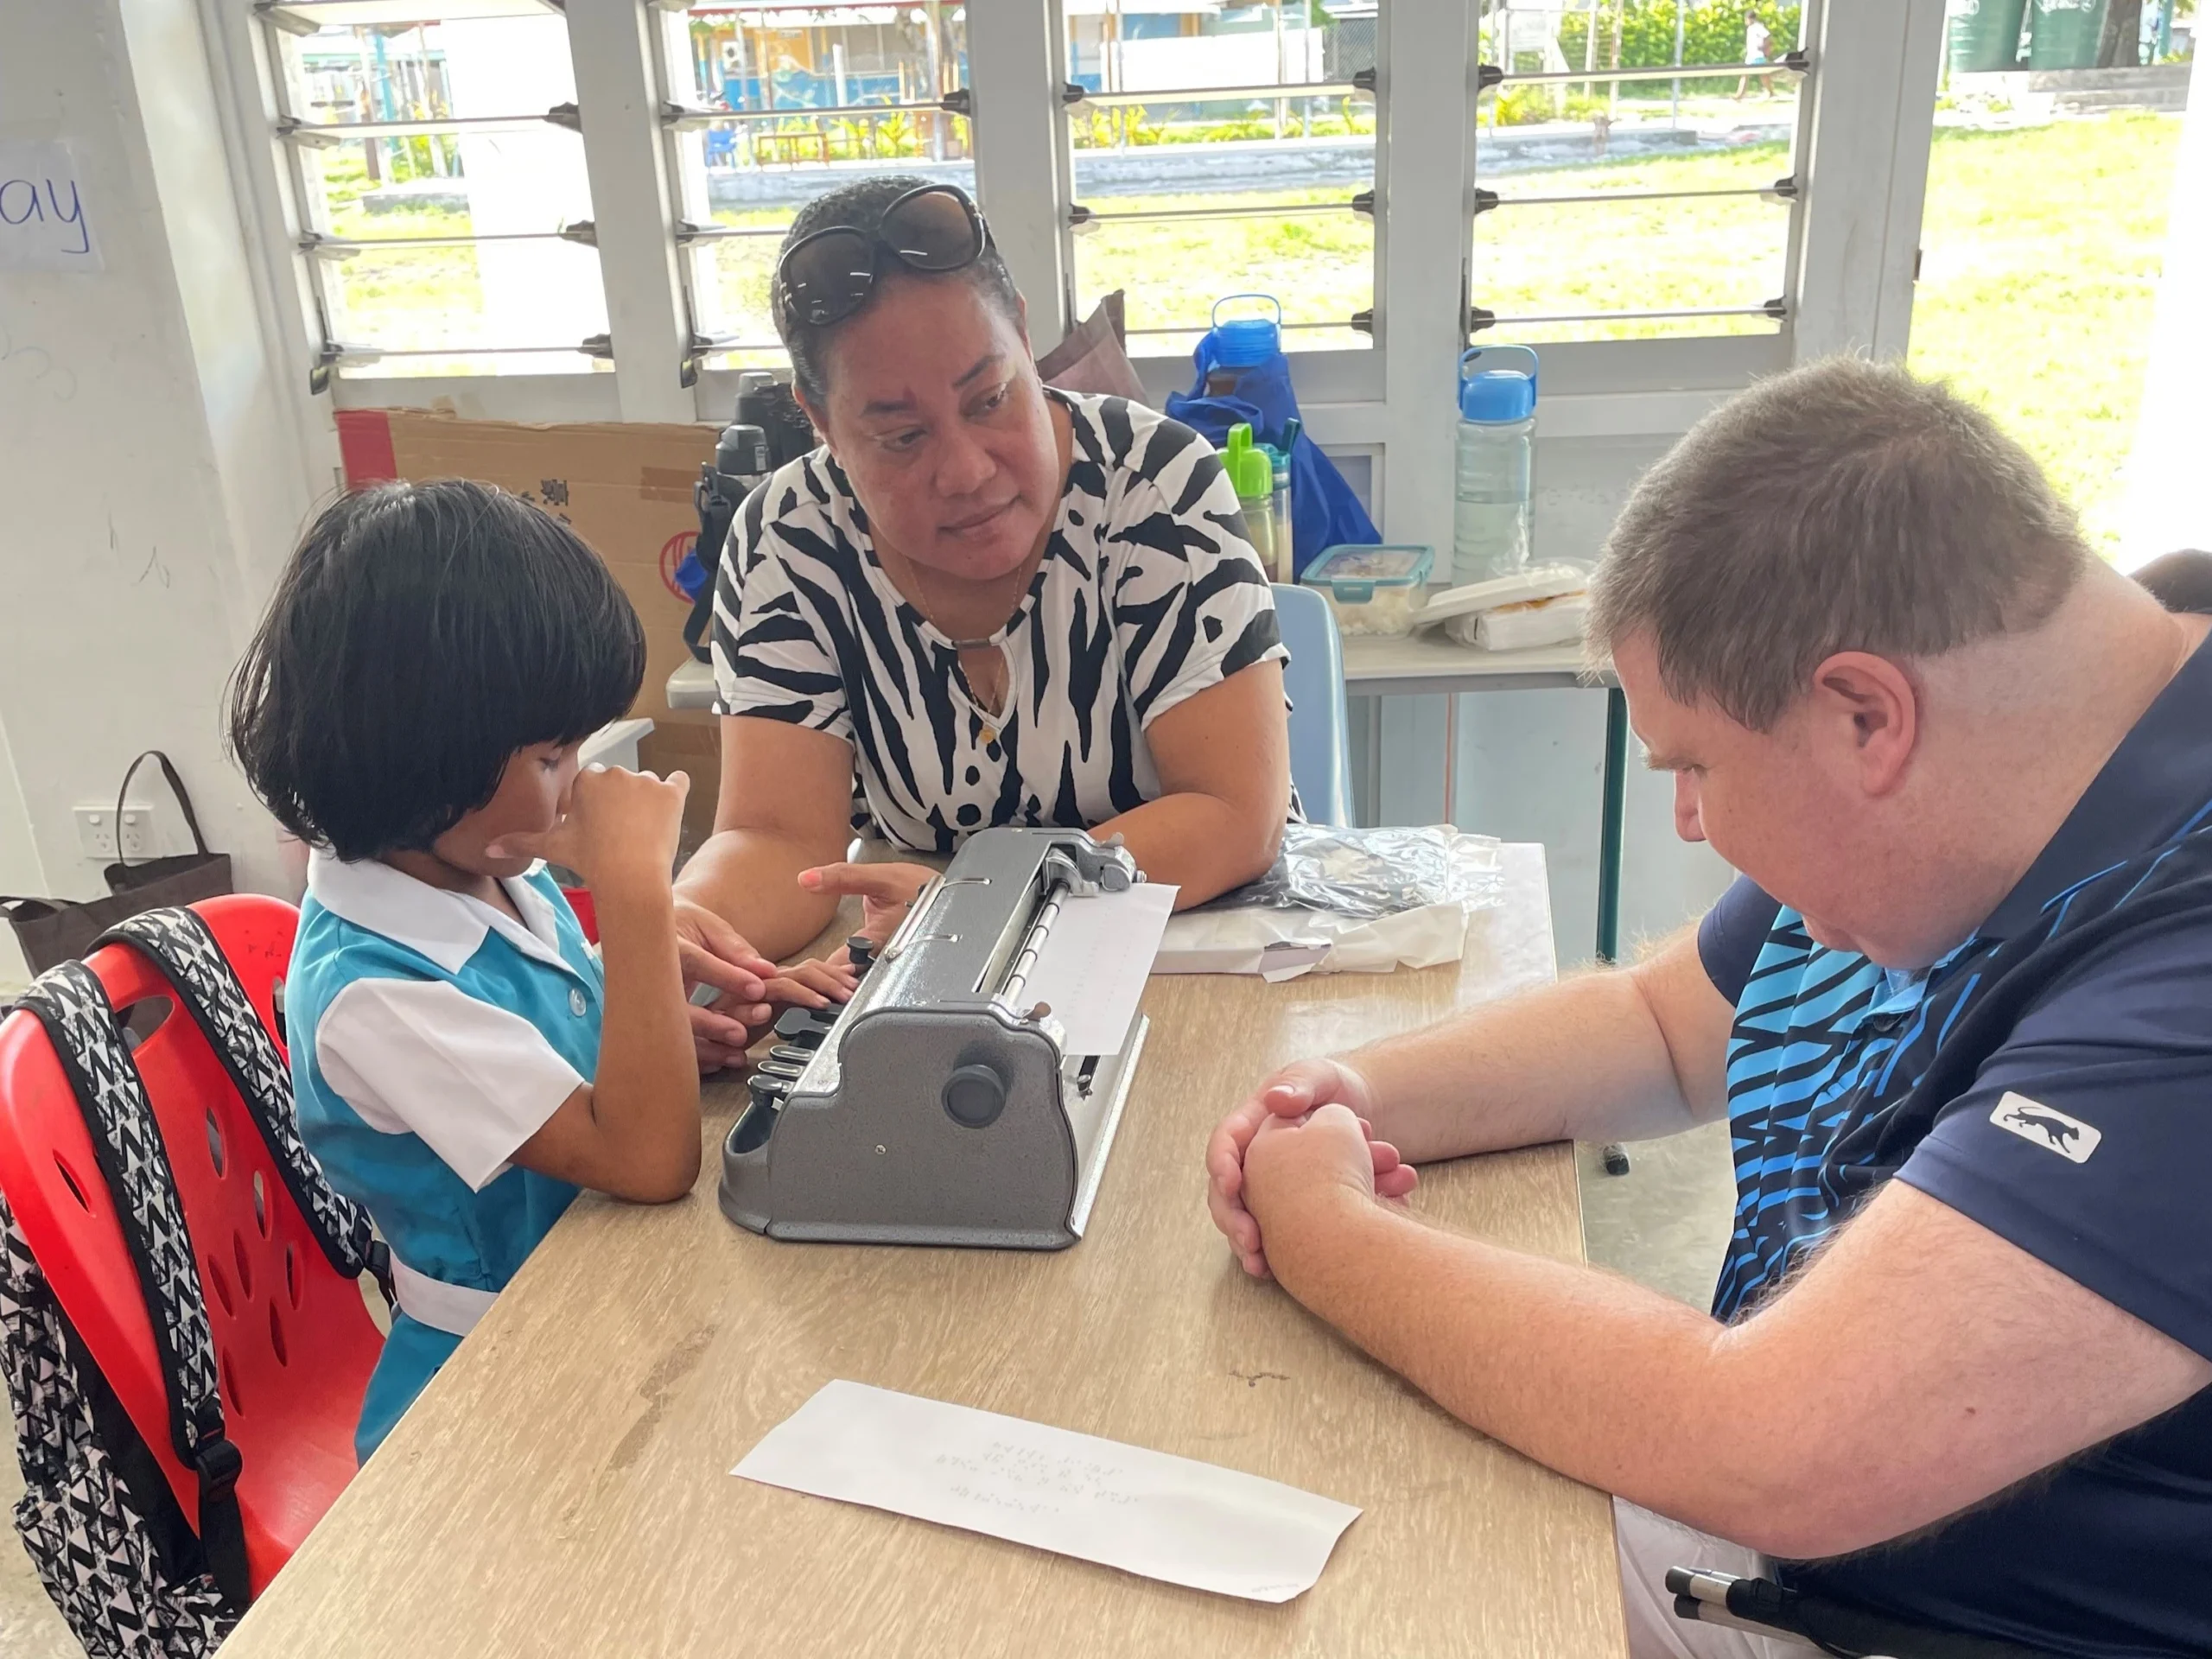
(411, 707)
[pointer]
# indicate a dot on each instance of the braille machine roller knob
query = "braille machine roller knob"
(861, 950)
(974, 1095)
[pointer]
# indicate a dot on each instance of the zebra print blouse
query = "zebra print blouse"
(1147, 594)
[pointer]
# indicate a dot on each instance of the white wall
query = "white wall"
(21, 872)
(157, 455)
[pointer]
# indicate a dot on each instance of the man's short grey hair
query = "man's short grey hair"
(1843, 506)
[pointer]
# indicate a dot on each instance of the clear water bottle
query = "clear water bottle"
(1253, 478)
(1493, 510)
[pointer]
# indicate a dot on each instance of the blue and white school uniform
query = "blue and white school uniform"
(431, 1036)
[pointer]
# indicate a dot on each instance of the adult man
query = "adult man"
(1965, 1009)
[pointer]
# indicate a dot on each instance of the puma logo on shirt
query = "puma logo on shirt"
(2069, 1137)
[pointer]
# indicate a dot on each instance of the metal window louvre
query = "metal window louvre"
(687, 117)
(596, 346)
(1288, 327)
(1077, 214)
(1263, 92)
(1480, 318)
(1492, 74)
(1782, 190)
(301, 18)
(687, 232)
(1361, 83)
(323, 135)
(311, 16)
(331, 355)
(1786, 191)
(583, 232)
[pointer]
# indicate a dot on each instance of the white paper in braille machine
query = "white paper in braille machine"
(969, 1091)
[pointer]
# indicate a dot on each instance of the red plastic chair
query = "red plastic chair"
(293, 1340)
(586, 913)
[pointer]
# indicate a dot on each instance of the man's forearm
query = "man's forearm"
(1916, 1366)
(1597, 1378)
(750, 879)
(1584, 1060)
(1198, 844)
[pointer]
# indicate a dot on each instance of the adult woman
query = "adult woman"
(980, 602)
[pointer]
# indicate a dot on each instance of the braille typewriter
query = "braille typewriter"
(940, 1106)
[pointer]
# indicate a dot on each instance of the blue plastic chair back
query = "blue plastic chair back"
(1320, 743)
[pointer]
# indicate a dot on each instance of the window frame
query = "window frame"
(680, 126)
(283, 97)
(1861, 161)
(1801, 61)
(1328, 374)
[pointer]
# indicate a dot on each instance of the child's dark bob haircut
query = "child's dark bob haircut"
(421, 635)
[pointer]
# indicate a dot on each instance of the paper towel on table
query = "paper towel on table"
(1522, 628)
(1169, 1518)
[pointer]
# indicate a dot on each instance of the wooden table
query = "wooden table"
(562, 1487)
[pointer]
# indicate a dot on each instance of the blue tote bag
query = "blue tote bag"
(1323, 509)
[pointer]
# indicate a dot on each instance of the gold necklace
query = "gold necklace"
(929, 612)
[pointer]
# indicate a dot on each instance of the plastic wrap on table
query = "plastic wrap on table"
(1344, 901)
(1369, 873)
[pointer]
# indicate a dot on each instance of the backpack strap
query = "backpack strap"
(69, 1002)
(184, 949)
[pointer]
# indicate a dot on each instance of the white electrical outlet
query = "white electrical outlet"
(96, 832)
(139, 834)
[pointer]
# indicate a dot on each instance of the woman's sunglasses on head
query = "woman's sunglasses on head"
(825, 276)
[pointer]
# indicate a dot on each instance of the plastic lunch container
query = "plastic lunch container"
(1373, 589)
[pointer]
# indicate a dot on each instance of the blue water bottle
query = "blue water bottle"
(1493, 501)
(1241, 343)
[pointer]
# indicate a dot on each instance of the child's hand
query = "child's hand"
(814, 983)
(620, 826)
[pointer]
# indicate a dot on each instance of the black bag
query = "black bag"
(133, 1576)
(739, 468)
(55, 930)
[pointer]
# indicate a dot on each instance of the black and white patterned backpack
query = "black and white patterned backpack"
(134, 1577)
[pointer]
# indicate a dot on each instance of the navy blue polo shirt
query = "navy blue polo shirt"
(2051, 1078)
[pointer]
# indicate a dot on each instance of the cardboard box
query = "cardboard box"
(626, 488)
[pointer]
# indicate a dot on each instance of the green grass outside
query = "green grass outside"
(1703, 254)
(2042, 250)
(2040, 257)
(402, 299)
